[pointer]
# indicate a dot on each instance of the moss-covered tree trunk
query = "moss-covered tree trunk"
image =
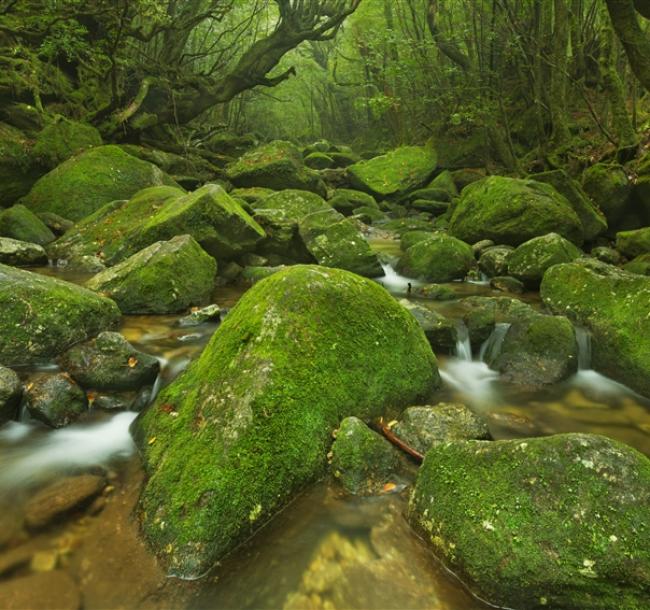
(558, 85)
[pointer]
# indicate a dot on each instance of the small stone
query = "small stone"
(507, 284)
(44, 561)
(211, 313)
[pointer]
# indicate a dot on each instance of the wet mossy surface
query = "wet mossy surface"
(62, 139)
(439, 258)
(20, 223)
(557, 522)
(235, 437)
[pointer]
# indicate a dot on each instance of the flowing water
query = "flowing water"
(326, 549)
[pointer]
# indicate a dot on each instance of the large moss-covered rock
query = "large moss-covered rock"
(43, 316)
(62, 139)
(84, 183)
(613, 305)
(278, 165)
(348, 200)
(439, 330)
(593, 220)
(640, 265)
(55, 400)
(395, 173)
(530, 261)
(166, 277)
(21, 253)
(610, 187)
(633, 243)
(19, 169)
(120, 229)
(494, 260)
(511, 211)
(335, 241)
(232, 440)
(17, 222)
(557, 522)
(440, 258)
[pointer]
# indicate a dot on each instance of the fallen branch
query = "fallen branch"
(398, 442)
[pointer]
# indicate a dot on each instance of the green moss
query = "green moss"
(395, 173)
(43, 316)
(346, 200)
(640, 265)
(318, 160)
(84, 183)
(614, 306)
(231, 441)
(406, 225)
(440, 258)
(633, 243)
(19, 223)
(19, 169)
(252, 195)
(494, 260)
(445, 181)
(511, 211)
(62, 139)
(558, 522)
(413, 237)
(610, 188)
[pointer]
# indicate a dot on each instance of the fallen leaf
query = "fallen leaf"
(132, 361)
(388, 488)
(152, 440)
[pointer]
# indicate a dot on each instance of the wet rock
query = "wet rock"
(86, 182)
(425, 427)
(11, 391)
(633, 243)
(43, 316)
(347, 200)
(55, 223)
(369, 215)
(211, 313)
(83, 264)
(607, 255)
(610, 187)
(531, 259)
(494, 261)
(435, 292)
(511, 211)
(362, 460)
(56, 400)
(441, 258)
(306, 335)
(252, 275)
(21, 253)
(440, 331)
(554, 522)
(45, 591)
(481, 246)
(505, 283)
(109, 362)
(411, 238)
(395, 173)
(61, 497)
(166, 277)
(252, 195)
(277, 165)
(613, 304)
(21, 224)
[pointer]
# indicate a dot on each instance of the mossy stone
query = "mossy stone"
(413, 237)
(251, 195)
(21, 253)
(441, 258)
(445, 181)
(347, 200)
(19, 168)
(232, 440)
(610, 187)
(55, 400)
(633, 243)
(11, 391)
(395, 173)
(62, 139)
(556, 522)
(614, 305)
(439, 330)
(494, 260)
(44, 316)
(17, 222)
(511, 211)
(166, 277)
(81, 185)
(640, 265)
(318, 160)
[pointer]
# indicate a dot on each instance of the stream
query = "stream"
(326, 550)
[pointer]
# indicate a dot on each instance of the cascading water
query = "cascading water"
(491, 348)
(396, 283)
(583, 339)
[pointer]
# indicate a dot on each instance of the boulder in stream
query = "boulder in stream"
(439, 258)
(493, 261)
(56, 400)
(11, 391)
(21, 253)
(556, 522)
(248, 425)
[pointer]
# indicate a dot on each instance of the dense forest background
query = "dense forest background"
(517, 83)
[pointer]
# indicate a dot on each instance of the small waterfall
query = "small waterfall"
(394, 282)
(463, 344)
(583, 339)
(491, 348)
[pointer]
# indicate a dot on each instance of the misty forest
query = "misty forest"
(324, 304)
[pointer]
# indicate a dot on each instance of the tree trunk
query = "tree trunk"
(558, 103)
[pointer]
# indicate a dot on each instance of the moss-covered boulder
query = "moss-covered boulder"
(239, 433)
(11, 391)
(610, 187)
(425, 427)
(55, 400)
(335, 241)
(17, 222)
(633, 243)
(440, 258)
(614, 305)
(530, 261)
(347, 200)
(317, 160)
(445, 181)
(494, 260)
(277, 165)
(395, 173)
(362, 460)
(640, 265)
(86, 182)
(593, 220)
(43, 316)
(21, 253)
(557, 522)
(511, 211)
(413, 237)
(252, 195)
(439, 330)
(607, 255)
(62, 139)
(19, 168)
(166, 277)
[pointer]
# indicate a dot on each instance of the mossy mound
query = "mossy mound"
(86, 182)
(166, 277)
(530, 261)
(610, 188)
(20, 223)
(593, 220)
(278, 165)
(614, 306)
(43, 316)
(440, 258)
(347, 200)
(395, 173)
(633, 243)
(557, 522)
(19, 169)
(511, 211)
(237, 435)
(62, 139)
